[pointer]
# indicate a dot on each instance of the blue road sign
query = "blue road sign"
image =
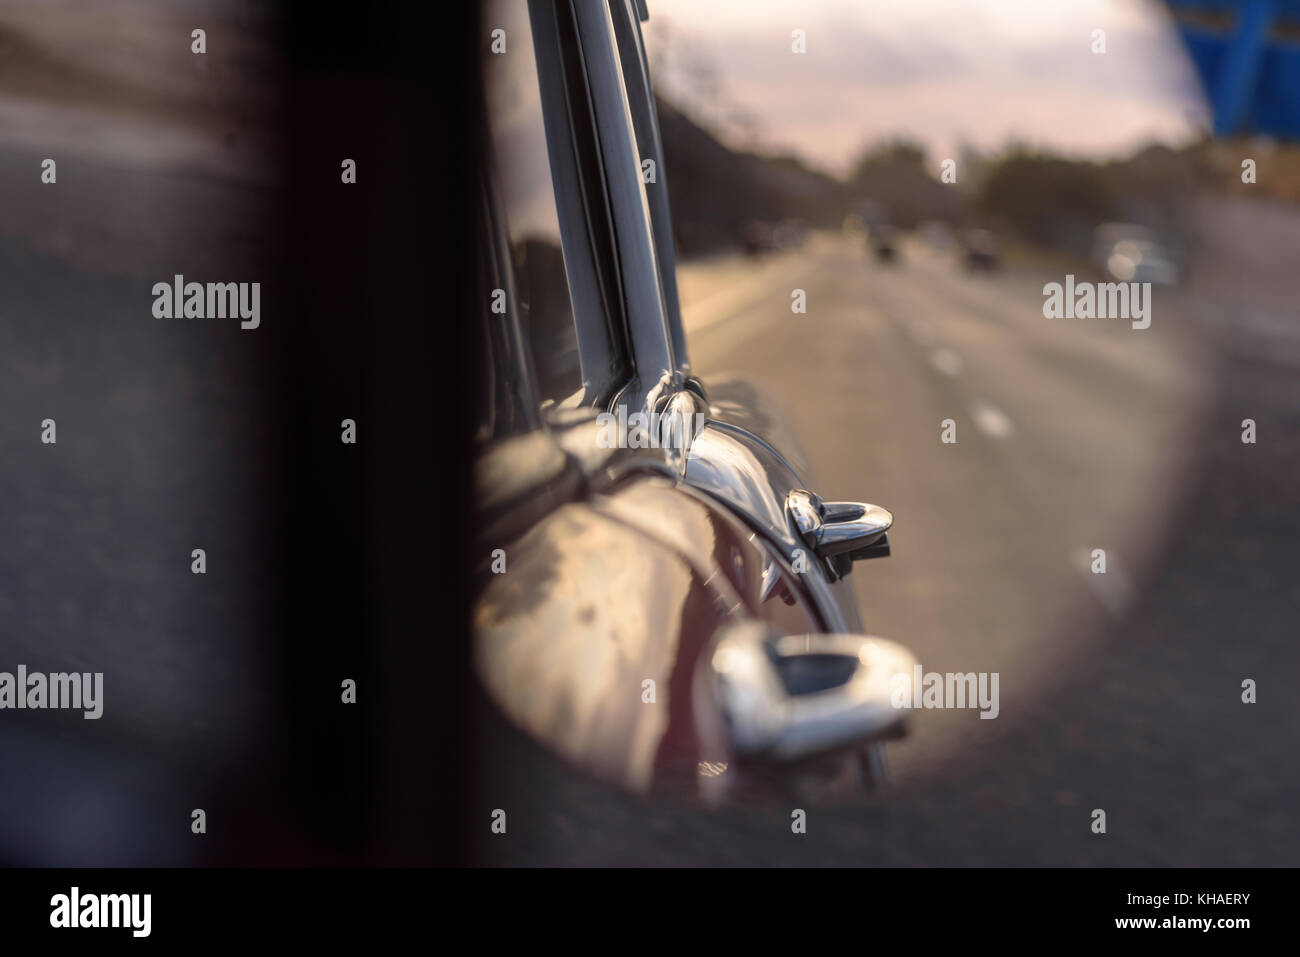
(1248, 59)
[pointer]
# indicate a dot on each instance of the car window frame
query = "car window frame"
(627, 16)
(587, 235)
(616, 236)
(581, 197)
(649, 337)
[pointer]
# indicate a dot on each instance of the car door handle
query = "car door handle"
(787, 697)
(854, 529)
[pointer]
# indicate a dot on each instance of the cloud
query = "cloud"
(940, 71)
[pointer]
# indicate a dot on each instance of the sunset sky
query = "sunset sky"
(944, 72)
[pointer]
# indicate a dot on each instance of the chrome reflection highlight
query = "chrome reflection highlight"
(787, 697)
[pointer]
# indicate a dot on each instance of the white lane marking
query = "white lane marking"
(1112, 587)
(991, 421)
(946, 361)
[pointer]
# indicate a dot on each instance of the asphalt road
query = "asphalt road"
(1119, 691)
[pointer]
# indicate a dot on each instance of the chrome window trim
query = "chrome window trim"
(645, 120)
(595, 290)
(653, 358)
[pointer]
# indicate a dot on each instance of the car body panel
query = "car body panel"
(610, 592)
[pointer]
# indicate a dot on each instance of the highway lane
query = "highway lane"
(1069, 437)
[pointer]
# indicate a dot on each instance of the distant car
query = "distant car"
(980, 250)
(758, 237)
(882, 238)
(936, 234)
(789, 234)
(1131, 253)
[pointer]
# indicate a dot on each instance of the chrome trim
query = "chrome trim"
(836, 528)
(764, 719)
(652, 349)
(580, 202)
(645, 123)
(806, 512)
(751, 483)
(737, 468)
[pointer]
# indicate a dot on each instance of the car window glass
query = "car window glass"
(526, 197)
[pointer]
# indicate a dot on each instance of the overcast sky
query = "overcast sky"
(945, 72)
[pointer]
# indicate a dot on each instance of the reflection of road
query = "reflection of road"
(1119, 692)
(1070, 437)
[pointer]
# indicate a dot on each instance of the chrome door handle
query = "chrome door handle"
(787, 697)
(854, 529)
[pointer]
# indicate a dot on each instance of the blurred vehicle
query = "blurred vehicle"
(883, 240)
(758, 237)
(1132, 253)
(881, 236)
(980, 250)
(936, 234)
(657, 606)
(789, 234)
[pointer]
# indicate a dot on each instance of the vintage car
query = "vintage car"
(662, 600)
